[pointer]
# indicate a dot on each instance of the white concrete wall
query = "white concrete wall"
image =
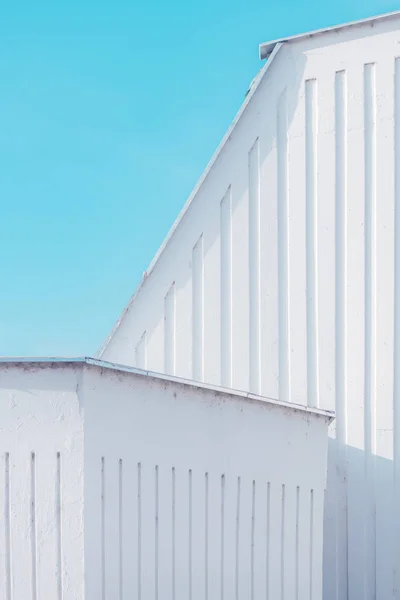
(291, 246)
(197, 494)
(119, 485)
(41, 483)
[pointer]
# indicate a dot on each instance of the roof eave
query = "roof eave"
(267, 47)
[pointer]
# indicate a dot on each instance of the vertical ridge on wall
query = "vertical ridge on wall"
(283, 542)
(222, 567)
(226, 288)
(120, 529)
(190, 544)
(237, 540)
(141, 352)
(59, 537)
(341, 325)
(384, 285)
(103, 530)
(169, 331)
(283, 249)
(139, 531)
(156, 535)
(355, 331)
(33, 527)
(206, 534)
(311, 574)
(7, 528)
(252, 550)
(254, 267)
(396, 351)
(198, 310)
(312, 241)
(268, 540)
(370, 320)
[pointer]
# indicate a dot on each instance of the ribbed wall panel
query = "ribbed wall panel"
(308, 280)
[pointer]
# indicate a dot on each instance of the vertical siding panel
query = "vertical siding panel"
(304, 520)
(141, 352)
(290, 536)
(254, 268)
(269, 263)
(384, 326)
(226, 288)
(355, 330)
(260, 538)
(5, 548)
(312, 253)
(297, 248)
(183, 322)
(170, 331)
(341, 233)
(20, 494)
(396, 350)
(198, 535)
(370, 323)
(92, 514)
(245, 537)
(212, 291)
(229, 539)
(213, 566)
(316, 543)
(155, 336)
(198, 311)
(147, 524)
(182, 514)
(240, 277)
(46, 522)
(165, 531)
(129, 500)
(111, 526)
(325, 220)
(275, 553)
(283, 251)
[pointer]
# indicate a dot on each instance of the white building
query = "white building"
(282, 276)
(116, 483)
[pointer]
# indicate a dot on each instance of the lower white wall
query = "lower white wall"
(197, 494)
(41, 483)
(117, 485)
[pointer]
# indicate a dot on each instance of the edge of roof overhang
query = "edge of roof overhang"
(266, 48)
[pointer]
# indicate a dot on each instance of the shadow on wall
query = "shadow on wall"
(360, 511)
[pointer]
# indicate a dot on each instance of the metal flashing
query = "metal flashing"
(103, 364)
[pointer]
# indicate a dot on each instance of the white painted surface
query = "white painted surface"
(41, 483)
(317, 266)
(146, 487)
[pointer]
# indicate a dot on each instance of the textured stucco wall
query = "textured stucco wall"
(120, 485)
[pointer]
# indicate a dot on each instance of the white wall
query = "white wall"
(120, 485)
(300, 278)
(192, 493)
(41, 483)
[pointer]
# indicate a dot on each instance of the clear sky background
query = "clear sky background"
(109, 112)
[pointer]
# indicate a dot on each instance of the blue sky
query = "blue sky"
(109, 112)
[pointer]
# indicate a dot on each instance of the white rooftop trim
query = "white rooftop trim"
(103, 364)
(267, 47)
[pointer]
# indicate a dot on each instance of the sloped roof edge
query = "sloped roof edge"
(267, 48)
(104, 364)
(224, 141)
